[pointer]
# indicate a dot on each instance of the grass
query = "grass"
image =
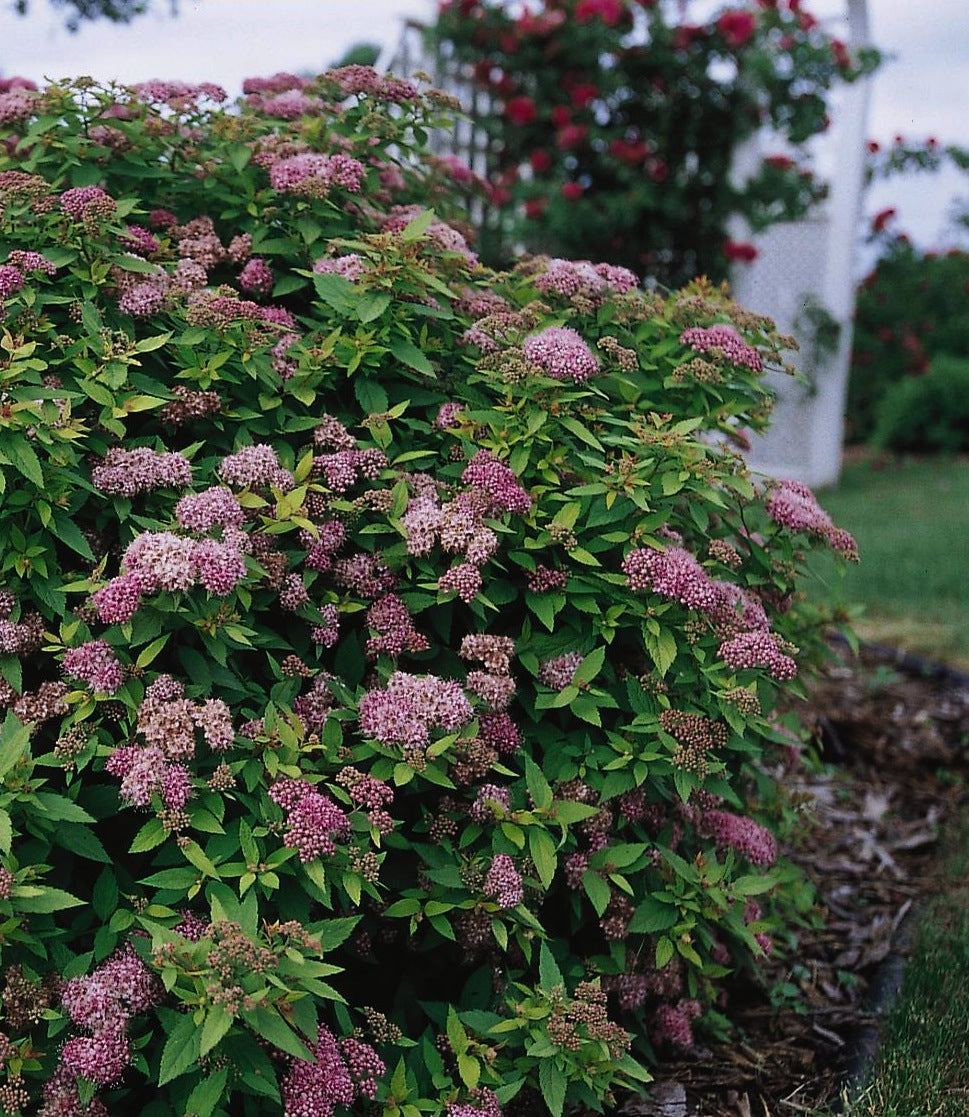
(923, 1064)
(910, 519)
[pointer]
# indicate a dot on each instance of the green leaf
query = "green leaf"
(207, 1094)
(215, 1026)
(372, 305)
(68, 532)
(14, 742)
(181, 1050)
(597, 890)
(541, 847)
(6, 832)
(664, 952)
(590, 666)
(271, 1026)
(150, 835)
(549, 975)
(370, 395)
(418, 226)
(41, 899)
(552, 1082)
(652, 915)
(104, 896)
(457, 1036)
(407, 353)
(58, 808)
(23, 458)
(470, 1071)
(538, 786)
(200, 859)
(148, 654)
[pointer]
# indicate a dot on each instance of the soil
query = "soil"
(894, 733)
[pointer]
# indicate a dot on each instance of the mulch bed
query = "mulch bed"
(894, 732)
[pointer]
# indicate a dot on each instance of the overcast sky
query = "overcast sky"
(921, 90)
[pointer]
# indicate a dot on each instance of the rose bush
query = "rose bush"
(391, 650)
(617, 124)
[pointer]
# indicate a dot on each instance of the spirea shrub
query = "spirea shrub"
(390, 649)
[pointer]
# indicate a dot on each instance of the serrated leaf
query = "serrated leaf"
(272, 1027)
(150, 835)
(6, 832)
(43, 900)
(207, 1094)
(181, 1050)
(541, 848)
(538, 786)
(549, 975)
(407, 353)
(457, 1036)
(652, 915)
(214, 1028)
(597, 890)
(552, 1083)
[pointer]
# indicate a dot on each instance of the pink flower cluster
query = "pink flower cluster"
(27, 261)
(333, 1077)
(352, 267)
(737, 616)
(672, 1024)
(313, 819)
(747, 837)
(343, 468)
(793, 505)
(726, 341)
(493, 478)
(11, 280)
(179, 94)
(357, 80)
(95, 664)
(503, 882)
(257, 277)
(83, 203)
(581, 277)
(557, 673)
(255, 467)
(760, 648)
(310, 174)
(410, 707)
(561, 353)
(127, 472)
(213, 507)
(162, 561)
(392, 628)
(103, 1004)
(490, 802)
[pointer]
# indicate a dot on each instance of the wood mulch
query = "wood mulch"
(895, 734)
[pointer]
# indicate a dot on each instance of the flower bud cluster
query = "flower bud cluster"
(392, 629)
(503, 882)
(410, 707)
(314, 820)
(557, 673)
(561, 353)
(335, 1075)
(793, 505)
(723, 342)
(95, 664)
(747, 837)
(127, 472)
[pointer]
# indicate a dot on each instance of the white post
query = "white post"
(838, 290)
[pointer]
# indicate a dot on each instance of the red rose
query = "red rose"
(560, 116)
(521, 111)
(609, 11)
(572, 190)
(535, 207)
(740, 251)
(540, 161)
(571, 136)
(737, 28)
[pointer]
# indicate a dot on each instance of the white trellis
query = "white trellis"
(808, 266)
(804, 271)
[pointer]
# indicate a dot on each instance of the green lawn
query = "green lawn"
(911, 520)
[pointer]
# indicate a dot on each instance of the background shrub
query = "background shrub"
(927, 414)
(911, 308)
(391, 649)
(616, 125)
